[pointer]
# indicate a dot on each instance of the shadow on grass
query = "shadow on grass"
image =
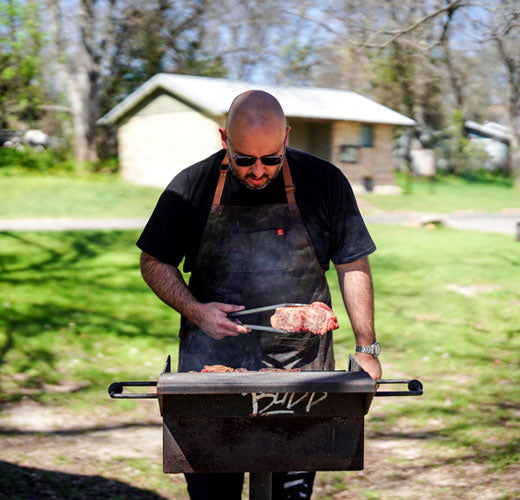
(78, 431)
(28, 483)
(73, 247)
(487, 178)
(66, 291)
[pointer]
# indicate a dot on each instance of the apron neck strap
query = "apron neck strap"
(287, 179)
(289, 186)
(220, 187)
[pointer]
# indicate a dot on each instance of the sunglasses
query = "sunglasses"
(247, 161)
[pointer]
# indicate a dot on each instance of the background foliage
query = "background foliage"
(21, 41)
(424, 59)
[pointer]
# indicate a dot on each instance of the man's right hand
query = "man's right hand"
(169, 285)
(213, 319)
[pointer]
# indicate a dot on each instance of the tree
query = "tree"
(498, 25)
(397, 45)
(105, 48)
(159, 37)
(84, 44)
(21, 93)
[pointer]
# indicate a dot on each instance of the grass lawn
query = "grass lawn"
(75, 315)
(106, 195)
(449, 194)
(94, 195)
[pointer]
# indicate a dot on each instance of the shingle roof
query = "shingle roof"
(214, 95)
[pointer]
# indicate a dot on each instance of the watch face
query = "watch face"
(376, 346)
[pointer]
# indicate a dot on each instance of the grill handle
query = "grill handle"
(415, 388)
(116, 390)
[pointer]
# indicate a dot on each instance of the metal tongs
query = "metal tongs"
(263, 309)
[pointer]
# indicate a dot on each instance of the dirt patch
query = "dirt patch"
(65, 455)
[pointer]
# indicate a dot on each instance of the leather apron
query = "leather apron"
(256, 256)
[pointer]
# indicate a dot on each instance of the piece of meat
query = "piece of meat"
(280, 369)
(216, 369)
(227, 369)
(315, 318)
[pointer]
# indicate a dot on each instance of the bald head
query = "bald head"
(255, 128)
(254, 109)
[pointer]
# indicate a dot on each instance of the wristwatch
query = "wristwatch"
(373, 349)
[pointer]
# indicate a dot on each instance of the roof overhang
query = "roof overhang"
(214, 96)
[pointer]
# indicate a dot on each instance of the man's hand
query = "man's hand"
(370, 364)
(169, 285)
(212, 318)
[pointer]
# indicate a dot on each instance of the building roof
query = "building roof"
(214, 96)
(492, 130)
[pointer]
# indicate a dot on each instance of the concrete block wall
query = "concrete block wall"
(153, 148)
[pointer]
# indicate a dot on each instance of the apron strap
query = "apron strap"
(289, 186)
(220, 187)
(287, 179)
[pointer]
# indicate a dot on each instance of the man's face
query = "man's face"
(256, 143)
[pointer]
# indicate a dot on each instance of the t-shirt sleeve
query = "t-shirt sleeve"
(350, 239)
(164, 234)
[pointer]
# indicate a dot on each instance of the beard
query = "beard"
(242, 180)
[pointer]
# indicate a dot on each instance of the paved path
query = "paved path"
(505, 223)
(69, 224)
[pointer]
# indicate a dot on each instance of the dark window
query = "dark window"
(349, 153)
(367, 136)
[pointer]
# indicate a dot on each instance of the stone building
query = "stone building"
(172, 121)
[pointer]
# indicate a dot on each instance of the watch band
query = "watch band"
(373, 349)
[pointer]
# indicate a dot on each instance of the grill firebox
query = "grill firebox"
(263, 421)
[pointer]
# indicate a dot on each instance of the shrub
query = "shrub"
(455, 152)
(35, 161)
(51, 161)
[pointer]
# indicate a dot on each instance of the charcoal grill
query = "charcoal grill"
(263, 422)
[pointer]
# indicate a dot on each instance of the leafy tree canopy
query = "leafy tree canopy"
(21, 40)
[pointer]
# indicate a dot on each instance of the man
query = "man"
(257, 224)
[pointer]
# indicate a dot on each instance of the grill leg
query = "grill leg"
(260, 485)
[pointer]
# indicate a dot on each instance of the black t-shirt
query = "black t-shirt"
(323, 195)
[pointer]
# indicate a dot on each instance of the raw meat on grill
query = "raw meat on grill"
(216, 369)
(270, 370)
(315, 318)
(227, 369)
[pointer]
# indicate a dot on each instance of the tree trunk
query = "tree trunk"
(514, 160)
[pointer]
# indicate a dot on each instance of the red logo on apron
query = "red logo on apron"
(280, 232)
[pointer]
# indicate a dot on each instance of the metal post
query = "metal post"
(260, 485)
(518, 231)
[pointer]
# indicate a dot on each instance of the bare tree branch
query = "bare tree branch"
(399, 32)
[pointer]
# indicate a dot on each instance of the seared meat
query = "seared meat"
(227, 369)
(216, 369)
(316, 318)
(280, 369)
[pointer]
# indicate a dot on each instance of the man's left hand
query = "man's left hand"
(370, 364)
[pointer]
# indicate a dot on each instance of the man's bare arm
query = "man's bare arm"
(168, 284)
(355, 282)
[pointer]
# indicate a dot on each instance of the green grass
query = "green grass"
(75, 308)
(74, 311)
(463, 347)
(106, 195)
(446, 194)
(74, 195)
